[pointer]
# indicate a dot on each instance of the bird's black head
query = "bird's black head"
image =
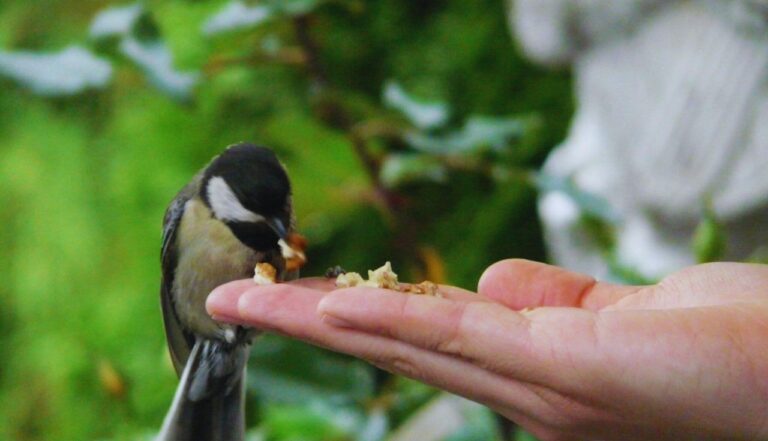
(247, 188)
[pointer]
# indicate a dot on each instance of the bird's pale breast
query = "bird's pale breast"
(210, 255)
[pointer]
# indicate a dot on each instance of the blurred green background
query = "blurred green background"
(411, 131)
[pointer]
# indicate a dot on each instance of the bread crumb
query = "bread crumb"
(426, 288)
(264, 274)
(384, 277)
(348, 280)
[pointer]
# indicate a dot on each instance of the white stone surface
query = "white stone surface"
(672, 110)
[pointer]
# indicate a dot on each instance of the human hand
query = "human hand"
(683, 359)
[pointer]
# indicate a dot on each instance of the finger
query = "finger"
(520, 284)
(292, 311)
(325, 284)
(446, 291)
(460, 294)
(469, 330)
(319, 283)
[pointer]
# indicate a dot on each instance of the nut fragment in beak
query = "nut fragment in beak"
(293, 251)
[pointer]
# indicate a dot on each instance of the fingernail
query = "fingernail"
(335, 307)
(222, 303)
(335, 321)
(228, 319)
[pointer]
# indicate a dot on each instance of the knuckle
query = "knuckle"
(453, 341)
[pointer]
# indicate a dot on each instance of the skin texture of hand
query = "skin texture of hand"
(684, 359)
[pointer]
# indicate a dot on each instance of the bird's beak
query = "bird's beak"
(278, 227)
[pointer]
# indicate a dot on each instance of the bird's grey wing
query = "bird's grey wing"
(180, 342)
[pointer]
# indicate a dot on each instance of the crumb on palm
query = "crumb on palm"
(384, 277)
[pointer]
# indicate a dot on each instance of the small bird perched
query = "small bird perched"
(228, 218)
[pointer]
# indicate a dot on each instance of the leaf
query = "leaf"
(116, 21)
(480, 425)
(522, 435)
(421, 114)
(619, 272)
(478, 134)
(139, 40)
(155, 59)
(589, 203)
(286, 371)
(434, 264)
(67, 72)
(375, 427)
(399, 169)
(709, 240)
(292, 7)
(236, 15)
(305, 423)
(408, 396)
(111, 380)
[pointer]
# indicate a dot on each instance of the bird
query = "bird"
(228, 218)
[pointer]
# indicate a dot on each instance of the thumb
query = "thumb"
(518, 283)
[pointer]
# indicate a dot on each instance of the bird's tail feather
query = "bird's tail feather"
(218, 415)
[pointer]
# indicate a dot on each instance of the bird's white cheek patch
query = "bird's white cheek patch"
(225, 204)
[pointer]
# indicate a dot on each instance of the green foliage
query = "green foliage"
(709, 241)
(404, 125)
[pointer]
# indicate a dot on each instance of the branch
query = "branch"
(301, 25)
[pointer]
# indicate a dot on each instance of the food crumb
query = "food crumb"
(348, 280)
(424, 288)
(293, 251)
(264, 274)
(384, 277)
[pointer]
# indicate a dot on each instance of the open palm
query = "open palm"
(683, 359)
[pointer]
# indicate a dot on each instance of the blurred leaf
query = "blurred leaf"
(479, 133)
(304, 423)
(375, 427)
(111, 380)
(286, 371)
(759, 255)
(67, 72)
(408, 396)
(155, 59)
(421, 114)
(480, 426)
(522, 435)
(621, 273)
(399, 169)
(434, 264)
(116, 21)
(140, 41)
(292, 7)
(601, 232)
(587, 202)
(237, 15)
(709, 241)
(255, 435)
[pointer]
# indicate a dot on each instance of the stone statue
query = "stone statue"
(672, 112)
